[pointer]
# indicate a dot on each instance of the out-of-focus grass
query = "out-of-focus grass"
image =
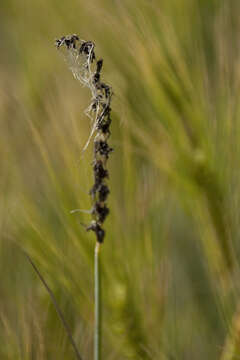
(171, 255)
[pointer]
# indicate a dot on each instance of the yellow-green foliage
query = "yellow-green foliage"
(171, 255)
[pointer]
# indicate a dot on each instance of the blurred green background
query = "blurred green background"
(171, 255)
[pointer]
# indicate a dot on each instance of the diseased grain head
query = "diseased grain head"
(81, 59)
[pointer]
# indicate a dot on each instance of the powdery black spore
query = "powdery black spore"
(100, 105)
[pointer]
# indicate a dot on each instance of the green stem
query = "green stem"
(97, 302)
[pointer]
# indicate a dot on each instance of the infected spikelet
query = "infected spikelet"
(81, 59)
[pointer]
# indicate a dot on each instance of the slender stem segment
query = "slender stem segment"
(97, 301)
(56, 306)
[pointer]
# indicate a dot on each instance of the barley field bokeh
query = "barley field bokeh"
(171, 256)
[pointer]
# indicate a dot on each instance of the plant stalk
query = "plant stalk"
(97, 303)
